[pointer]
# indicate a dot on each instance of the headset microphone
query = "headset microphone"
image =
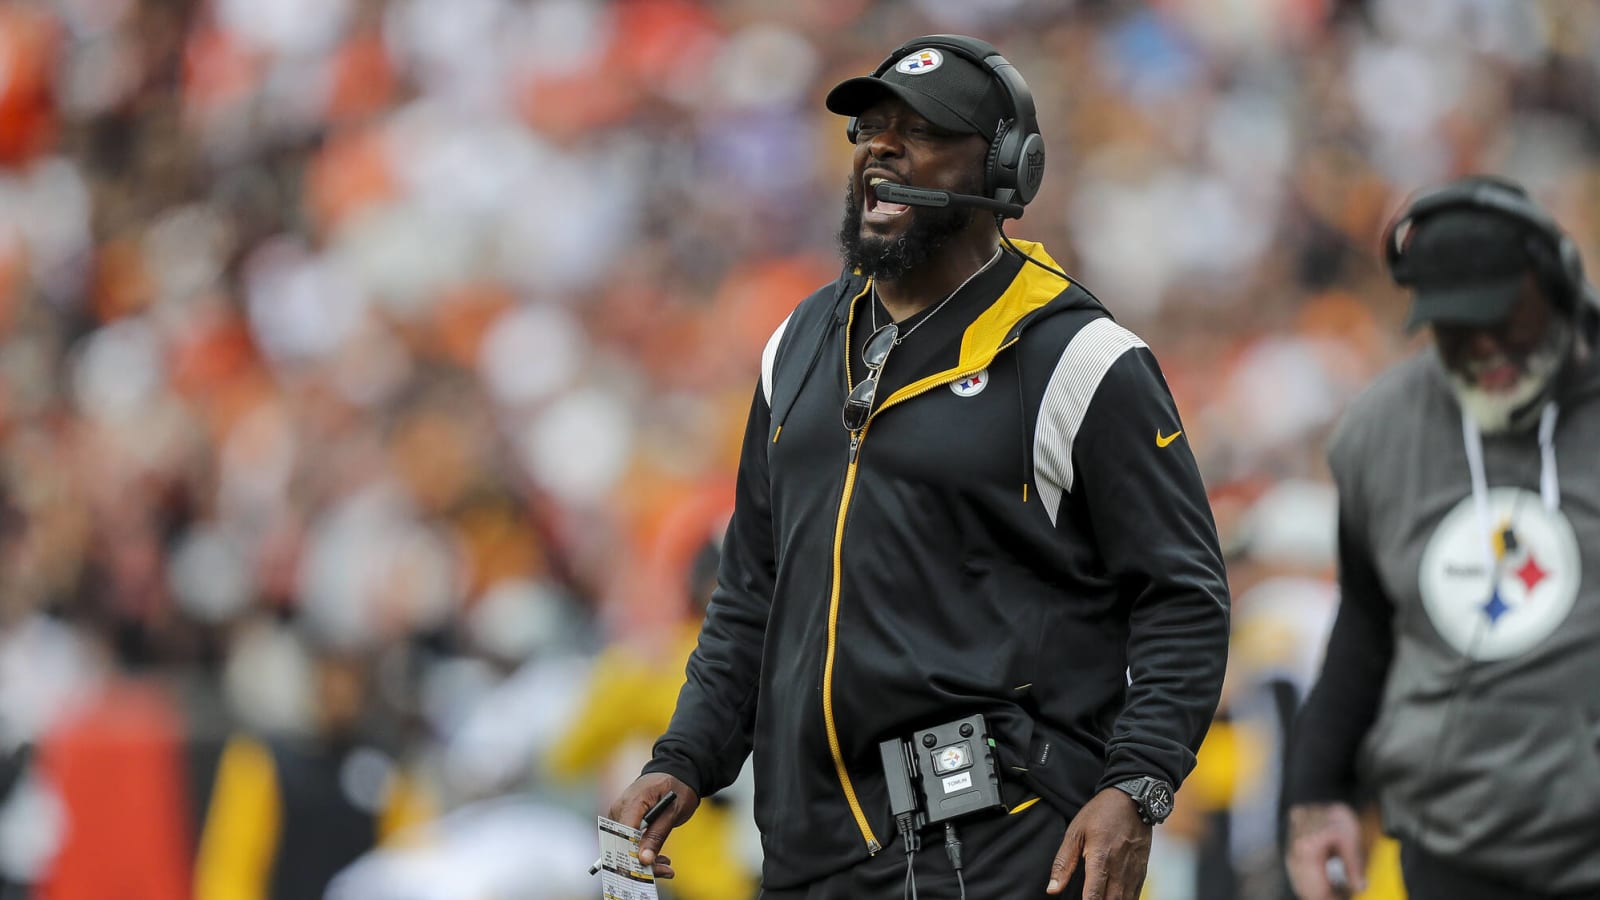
(912, 196)
(898, 193)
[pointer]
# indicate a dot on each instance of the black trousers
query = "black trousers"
(1004, 857)
(1430, 877)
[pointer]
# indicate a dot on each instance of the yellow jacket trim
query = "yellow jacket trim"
(986, 336)
(1024, 805)
(1032, 288)
(873, 845)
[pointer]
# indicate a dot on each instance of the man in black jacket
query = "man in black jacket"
(964, 490)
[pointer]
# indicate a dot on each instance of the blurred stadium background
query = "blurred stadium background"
(372, 372)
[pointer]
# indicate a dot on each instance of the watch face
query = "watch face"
(1159, 800)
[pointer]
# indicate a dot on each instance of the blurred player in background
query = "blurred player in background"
(288, 812)
(1459, 681)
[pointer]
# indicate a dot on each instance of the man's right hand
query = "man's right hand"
(1318, 833)
(638, 798)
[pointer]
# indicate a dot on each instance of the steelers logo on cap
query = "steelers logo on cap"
(920, 62)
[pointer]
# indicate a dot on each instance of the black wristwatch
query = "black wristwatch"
(1153, 796)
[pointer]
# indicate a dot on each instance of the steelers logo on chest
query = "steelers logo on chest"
(1499, 595)
(971, 385)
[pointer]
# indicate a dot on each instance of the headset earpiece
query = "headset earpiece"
(1571, 264)
(1029, 167)
(1393, 251)
(1016, 157)
(1015, 164)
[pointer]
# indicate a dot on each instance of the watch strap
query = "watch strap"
(1140, 789)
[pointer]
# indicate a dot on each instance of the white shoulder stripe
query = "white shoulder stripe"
(1089, 355)
(769, 356)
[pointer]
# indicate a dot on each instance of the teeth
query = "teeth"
(874, 180)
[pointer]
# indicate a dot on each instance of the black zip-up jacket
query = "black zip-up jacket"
(1020, 530)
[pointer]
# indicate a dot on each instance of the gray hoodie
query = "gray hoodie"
(1485, 749)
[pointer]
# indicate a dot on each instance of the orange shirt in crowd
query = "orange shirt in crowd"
(119, 771)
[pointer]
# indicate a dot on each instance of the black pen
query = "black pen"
(649, 816)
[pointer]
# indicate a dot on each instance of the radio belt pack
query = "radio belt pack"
(940, 774)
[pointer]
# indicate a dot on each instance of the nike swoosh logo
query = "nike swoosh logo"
(1163, 441)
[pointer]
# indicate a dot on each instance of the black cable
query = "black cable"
(952, 849)
(908, 836)
(1000, 225)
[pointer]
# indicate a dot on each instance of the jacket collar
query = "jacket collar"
(1033, 293)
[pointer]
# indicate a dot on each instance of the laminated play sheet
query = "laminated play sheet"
(622, 876)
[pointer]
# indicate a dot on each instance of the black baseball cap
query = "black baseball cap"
(1466, 267)
(943, 86)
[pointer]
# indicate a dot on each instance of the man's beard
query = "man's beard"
(888, 259)
(1516, 409)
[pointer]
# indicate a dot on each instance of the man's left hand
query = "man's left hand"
(1113, 843)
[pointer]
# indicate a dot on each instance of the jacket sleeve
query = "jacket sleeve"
(1341, 708)
(1141, 492)
(710, 734)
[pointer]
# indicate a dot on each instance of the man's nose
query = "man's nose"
(885, 143)
(1481, 343)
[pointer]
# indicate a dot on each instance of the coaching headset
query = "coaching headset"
(1554, 255)
(1015, 166)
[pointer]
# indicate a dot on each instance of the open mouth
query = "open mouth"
(1499, 378)
(875, 210)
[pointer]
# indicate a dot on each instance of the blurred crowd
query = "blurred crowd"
(372, 374)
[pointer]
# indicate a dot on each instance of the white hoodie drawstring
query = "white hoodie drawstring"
(1549, 482)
